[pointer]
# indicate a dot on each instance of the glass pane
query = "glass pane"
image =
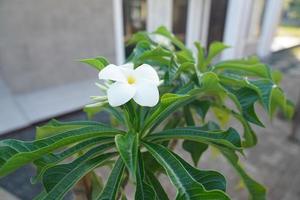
(179, 18)
(217, 20)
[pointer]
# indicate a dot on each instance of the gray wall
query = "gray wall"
(41, 39)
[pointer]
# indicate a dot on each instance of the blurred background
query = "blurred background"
(40, 78)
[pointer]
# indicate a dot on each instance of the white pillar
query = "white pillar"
(237, 20)
(197, 22)
(118, 31)
(270, 22)
(159, 13)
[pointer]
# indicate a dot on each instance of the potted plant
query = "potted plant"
(162, 94)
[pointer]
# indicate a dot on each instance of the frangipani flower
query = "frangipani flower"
(140, 84)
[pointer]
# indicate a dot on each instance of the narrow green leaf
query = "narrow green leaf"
(211, 180)
(52, 159)
(169, 103)
(215, 49)
(210, 86)
(159, 190)
(229, 138)
(138, 37)
(186, 185)
(196, 149)
(158, 54)
(98, 63)
(290, 109)
(113, 183)
(127, 146)
(144, 191)
(139, 50)
(271, 95)
(16, 153)
(247, 98)
(249, 134)
(96, 184)
(201, 65)
(163, 31)
(222, 115)
(54, 127)
(258, 69)
(256, 190)
(201, 107)
(72, 177)
(55, 174)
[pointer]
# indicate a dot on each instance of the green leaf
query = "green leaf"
(139, 50)
(211, 88)
(127, 146)
(16, 153)
(211, 180)
(98, 63)
(249, 134)
(247, 98)
(113, 183)
(196, 149)
(201, 107)
(188, 116)
(159, 190)
(55, 174)
(52, 159)
(271, 95)
(144, 191)
(290, 109)
(215, 49)
(54, 127)
(201, 65)
(158, 54)
(186, 185)
(229, 138)
(258, 69)
(138, 37)
(256, 190)
(150, 163)
(73, 176)
(96, 185)
(222, 115)
(163, 31)
(276, 76)
(168, 104)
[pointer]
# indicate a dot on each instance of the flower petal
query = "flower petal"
(146, 94)
(128, 65)
(120, 93)
(148, 73)
(112, 72)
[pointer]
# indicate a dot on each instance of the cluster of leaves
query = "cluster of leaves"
(138, 146)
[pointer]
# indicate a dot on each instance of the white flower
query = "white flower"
(140, 84)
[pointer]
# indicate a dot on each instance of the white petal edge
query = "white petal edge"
(128, 65)
(148, 73)
(112, 72)
(146, 94)
(120, 93)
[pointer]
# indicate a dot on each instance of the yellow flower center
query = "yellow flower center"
(131, 80)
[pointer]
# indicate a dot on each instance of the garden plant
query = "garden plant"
(158, 100)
